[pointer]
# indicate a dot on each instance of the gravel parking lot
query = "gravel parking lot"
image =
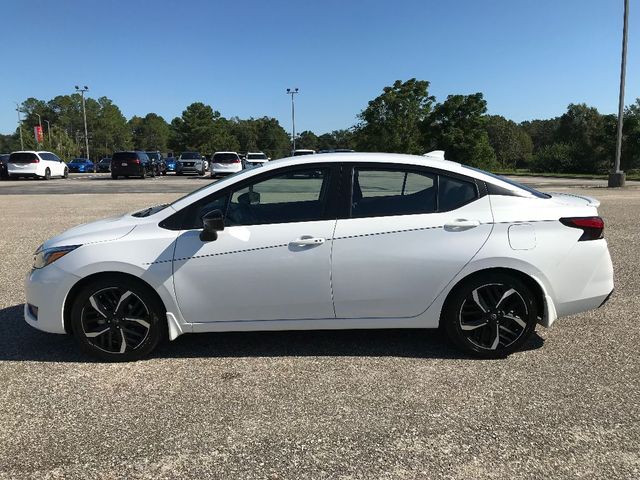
(314, 405)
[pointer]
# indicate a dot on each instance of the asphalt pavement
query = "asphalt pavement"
(314, 405)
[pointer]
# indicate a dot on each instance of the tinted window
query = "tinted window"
(78, 160)
(123, 156)
(143, 157)
(49, 156)
(297, 153)
(154, 155)
(454, 193)
(225, 158)
(533, 191)
(190, 156)
(22, 157)
(256, 156)
(382, 192)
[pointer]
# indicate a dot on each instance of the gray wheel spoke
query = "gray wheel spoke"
(476, 298)
(123, 297)
(496, 340)
(140, 321)
(519, 321)
(508, 331)
(506, 294)
(97, 306)
(473, 324)
(123, 345)
(95, 334)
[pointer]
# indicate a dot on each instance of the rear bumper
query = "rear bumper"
(128, 172)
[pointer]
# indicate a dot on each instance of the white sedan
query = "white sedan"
(328, 242)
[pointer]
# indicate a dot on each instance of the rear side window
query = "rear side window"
(143, 157)
(123, 156)
(225, 158)
(454, 193)
(384, 192)
(49, 156)
(23, 157)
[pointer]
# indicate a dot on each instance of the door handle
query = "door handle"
(307, 240)
(460, 225)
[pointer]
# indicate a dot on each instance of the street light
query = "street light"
(84, 115)
(292, 92)
(617, 176)
(19, 125)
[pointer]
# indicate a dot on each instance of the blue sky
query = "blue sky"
(530, 58)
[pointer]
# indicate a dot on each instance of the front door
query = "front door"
(272, 260)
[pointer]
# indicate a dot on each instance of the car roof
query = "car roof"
(32, 151)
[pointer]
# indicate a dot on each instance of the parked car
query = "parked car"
(224, 163)
(4, 159)
(302, 151)
(81, 165)
(104, 165)
(254, 159)
(158, 162)
(190, 162)
(348, 242)
(171, 164)
(131, 164)
(36, 164)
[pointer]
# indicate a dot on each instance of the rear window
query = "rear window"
(23, 157)
(124, 156)
(225, 158)
(256, 156)
(190, 156)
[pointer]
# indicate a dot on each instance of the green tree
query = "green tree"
(554, 158)
(195, 129)
(150, 132)
(542, 132)
(307, 140)
(392, 121)
(457, 126)
(510, 142)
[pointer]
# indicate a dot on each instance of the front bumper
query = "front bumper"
(47, 289)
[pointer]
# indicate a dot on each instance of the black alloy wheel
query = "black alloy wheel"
(117, 320)
(490, 315)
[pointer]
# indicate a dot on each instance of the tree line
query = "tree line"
(404, 118)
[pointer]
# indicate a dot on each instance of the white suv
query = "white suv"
(223, 163)
(255, 159)
(36, 164)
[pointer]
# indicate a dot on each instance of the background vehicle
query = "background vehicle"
(254, 159)
(4, 158)
(104, 165)
(170, 163)
(131, 164)
(158, 162)
(190, 162)
(302, 151)
(224, 163)
(345, 242)
(38, 164)
(81, 165)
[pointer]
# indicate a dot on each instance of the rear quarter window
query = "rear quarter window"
(454, 193)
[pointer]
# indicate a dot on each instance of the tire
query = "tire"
(114, 176)
(164, 173)
(47, 174)
(490, 315)
(65, 173)
(144, 174)
(213, 175)
(117, 319)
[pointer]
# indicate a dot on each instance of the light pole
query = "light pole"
(617, 176)
(39, 123)
(49, 131)
(292, 92)
(20, 125)
(84, 115)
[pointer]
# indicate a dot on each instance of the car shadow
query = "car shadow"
(20, 342)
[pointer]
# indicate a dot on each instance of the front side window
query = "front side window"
(384, 192)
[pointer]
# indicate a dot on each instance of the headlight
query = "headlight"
(42, 258)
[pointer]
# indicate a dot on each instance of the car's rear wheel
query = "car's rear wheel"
(47, 174)
(117, 319)
(490, 315)
(65, 173)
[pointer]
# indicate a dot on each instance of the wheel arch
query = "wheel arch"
(545, 307)
(80, 284)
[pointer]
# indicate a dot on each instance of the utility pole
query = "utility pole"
(20, 125)
(617, 176)
(49, 131)
(84, 115)
(292, 92)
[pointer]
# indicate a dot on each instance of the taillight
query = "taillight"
(592, 227)
(136, 161)
(236, 160)
(35, 160)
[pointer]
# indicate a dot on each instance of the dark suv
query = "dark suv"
(131, 164)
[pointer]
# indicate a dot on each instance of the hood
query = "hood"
(574, 200)
(104, 230)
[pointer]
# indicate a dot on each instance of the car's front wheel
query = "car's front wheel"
(47, 174)
(490, 315)
(117, 319)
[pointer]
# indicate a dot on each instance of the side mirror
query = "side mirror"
(213, 222)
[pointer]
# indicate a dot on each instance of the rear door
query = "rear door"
(409, 232)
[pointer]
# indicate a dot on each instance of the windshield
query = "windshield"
(532, 191)
(78, 160)
(190, 156)
(154, 155)
(105, 160)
